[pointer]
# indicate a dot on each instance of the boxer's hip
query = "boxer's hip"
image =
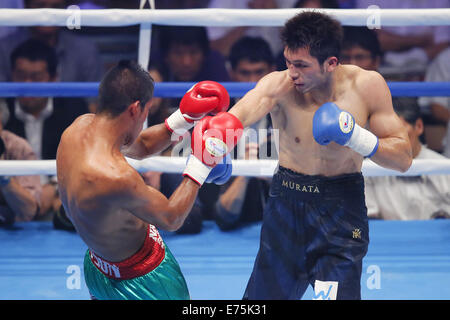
(152, 273)
(290, 184)
(315, 214)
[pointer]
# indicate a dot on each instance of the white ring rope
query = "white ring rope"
(373, 16)
(253, 168)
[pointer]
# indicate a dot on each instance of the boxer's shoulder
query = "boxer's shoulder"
(361, 81)
(276, 84)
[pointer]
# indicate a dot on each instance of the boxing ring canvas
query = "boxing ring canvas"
(407, 260)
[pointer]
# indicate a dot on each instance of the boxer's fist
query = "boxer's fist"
(332, 124)
(203, 98)
(221, 173)
(214, 137)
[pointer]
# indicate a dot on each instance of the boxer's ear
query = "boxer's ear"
(330, 64)
(133, 109)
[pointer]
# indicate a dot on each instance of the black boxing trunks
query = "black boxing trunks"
(314, 231)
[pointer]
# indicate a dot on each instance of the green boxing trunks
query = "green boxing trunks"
(150, 274)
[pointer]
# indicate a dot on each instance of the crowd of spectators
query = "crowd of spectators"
(32, 126)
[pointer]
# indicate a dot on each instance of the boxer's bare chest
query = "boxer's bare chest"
(292, 118)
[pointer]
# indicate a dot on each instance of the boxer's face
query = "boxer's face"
(305, 70)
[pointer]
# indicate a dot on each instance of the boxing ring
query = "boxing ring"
(406, 259)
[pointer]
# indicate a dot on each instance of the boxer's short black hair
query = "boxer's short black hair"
(124, 84)
(315, 31)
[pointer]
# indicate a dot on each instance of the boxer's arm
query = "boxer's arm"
(150, 205)
(202, 98)
(394, 148)
(150, 141)
(259, 101)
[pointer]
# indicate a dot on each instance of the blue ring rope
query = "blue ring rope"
(177, 89)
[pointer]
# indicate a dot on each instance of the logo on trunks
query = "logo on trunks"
(325, 290)
(356, 234)
(154, 234)
(298, 187)
(345, 122)
(107, 268)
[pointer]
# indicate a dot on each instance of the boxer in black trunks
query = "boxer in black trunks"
(330, 117)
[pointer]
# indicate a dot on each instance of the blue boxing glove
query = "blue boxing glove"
(221, 173)
(330, 123)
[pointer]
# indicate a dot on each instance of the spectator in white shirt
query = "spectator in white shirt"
(439, 107)
(409, 197)
(40, 120)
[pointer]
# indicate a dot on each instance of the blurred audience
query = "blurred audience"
(410, 46)
(40, 120)
(242, 199)
(181, 4)
(360, 47)
(317, 4)
(222, 38)
(19, 195)
(9, 4)
(183, 54)
(439, 107)
(409, 197)
(251, 59)
(78, 57)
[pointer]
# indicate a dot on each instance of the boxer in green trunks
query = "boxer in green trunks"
(138, 277)
(115, 213)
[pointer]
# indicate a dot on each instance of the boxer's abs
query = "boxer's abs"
(299, 152)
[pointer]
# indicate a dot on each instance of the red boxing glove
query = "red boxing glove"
(214, 137)
(203, 98)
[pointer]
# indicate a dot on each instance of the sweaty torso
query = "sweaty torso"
(88, 178)
(293, 117)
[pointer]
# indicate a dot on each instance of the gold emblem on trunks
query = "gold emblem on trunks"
(356, 234)
(299, 187)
